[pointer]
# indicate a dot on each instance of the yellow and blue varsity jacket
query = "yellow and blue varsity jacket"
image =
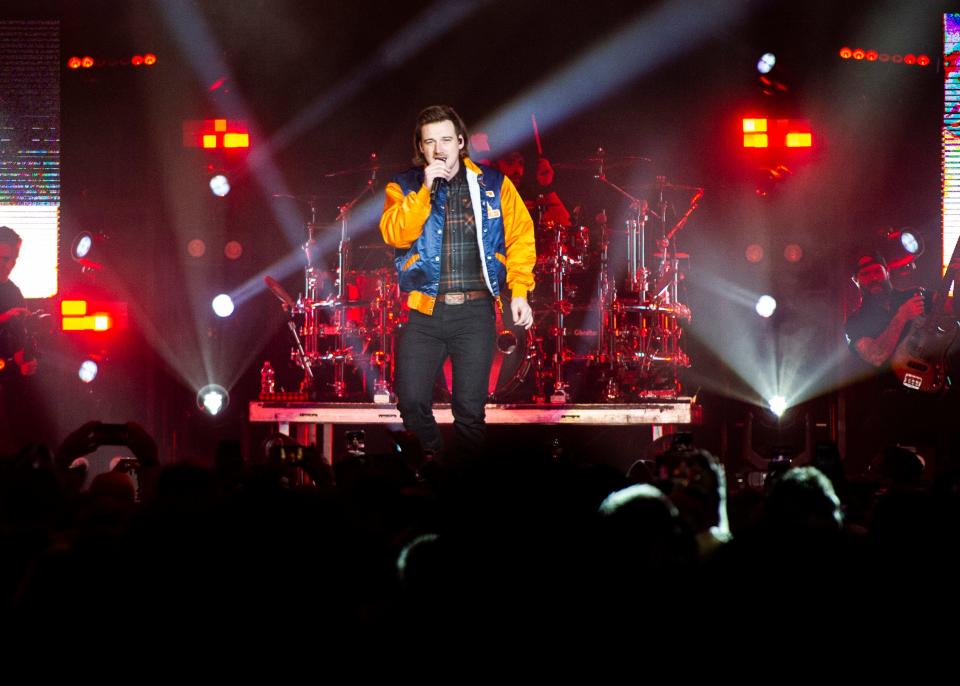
(414, 228)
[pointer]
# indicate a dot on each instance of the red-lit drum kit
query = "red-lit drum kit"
(602, 333)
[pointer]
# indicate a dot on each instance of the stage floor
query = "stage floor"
(301, 419)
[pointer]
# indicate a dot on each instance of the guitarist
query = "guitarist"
(19, 420)
(875, 329)
(892, 412)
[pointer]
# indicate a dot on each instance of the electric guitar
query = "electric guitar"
(919, 361)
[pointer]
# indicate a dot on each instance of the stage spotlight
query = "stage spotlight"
(778, 405)
(81, 245)
(911, 242)
(900, 247)
(219, 185)
(213, 399)
(223, 305)
(766, 62)
(85, 247)
(766, 306)
(88, 371)
(793, 253)
(196, 248)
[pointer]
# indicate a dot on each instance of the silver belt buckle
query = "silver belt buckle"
(454, 298)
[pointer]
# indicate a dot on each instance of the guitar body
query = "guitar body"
(920, 359)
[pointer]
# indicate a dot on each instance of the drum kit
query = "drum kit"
(604, 331)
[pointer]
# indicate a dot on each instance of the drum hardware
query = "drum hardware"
(350, 319)
(506, 342)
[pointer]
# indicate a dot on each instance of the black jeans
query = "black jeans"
(467, 334)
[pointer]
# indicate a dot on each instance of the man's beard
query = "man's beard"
(880, 289)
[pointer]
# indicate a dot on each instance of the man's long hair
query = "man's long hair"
(431, 115)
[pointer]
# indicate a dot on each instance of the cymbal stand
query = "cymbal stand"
(669, 247)
(313, 278)
(638, 274)
(343, 353)
(559, 394)
(382, 358)
(606, 293)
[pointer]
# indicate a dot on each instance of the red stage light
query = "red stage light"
(884, 57)
(910, 59)
(149, 59)
(236, 140)
(896, 59)
(859, 54)
(136, 60)
(73, 308)
(233, 250)
(216, 133)
(923, 60)
(793, 253)
(753, 253)
(872, 55)
(74, 63)
(846, 53)
(86, 62)
(76, 315)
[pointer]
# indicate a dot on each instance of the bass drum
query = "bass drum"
(513, 360)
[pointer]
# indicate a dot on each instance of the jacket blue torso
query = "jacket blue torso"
(419, 265)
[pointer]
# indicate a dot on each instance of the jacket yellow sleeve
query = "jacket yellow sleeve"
(404, 215)
(519, 238)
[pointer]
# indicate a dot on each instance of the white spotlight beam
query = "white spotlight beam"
(428, 27)
(639, 48)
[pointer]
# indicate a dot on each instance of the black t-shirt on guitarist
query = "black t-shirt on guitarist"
(873, 317)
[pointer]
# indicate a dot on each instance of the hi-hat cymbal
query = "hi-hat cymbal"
(545, 201)
(594, 162)
(381, 247)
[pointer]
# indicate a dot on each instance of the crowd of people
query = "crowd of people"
(519, 541)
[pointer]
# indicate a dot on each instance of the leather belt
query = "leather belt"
(460, 297)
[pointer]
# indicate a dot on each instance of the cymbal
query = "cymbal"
(308, 197)
(545, 201)
(677, 186)
(366, 168)
(594, 162)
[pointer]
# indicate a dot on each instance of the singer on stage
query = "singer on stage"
(460, 232)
